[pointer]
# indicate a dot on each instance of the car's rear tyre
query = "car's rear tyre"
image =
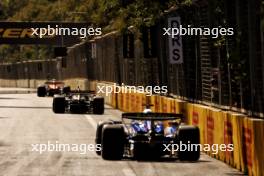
(98, 105)
(41, 91)
(189, 135)
(51, 93)
(98, 138)
(58, 105)
(113, 139)
(66, 90)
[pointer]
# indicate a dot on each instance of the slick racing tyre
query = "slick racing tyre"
(58, 105)
(98, 138)
(189, 135)
(66, 90)
(41, 91)
(113, 137)
(98, 105)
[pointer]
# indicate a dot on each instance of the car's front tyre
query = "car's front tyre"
(58, 105)
(41, 91)
(98, 105)
(66, 90)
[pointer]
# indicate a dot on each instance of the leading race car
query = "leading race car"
(147, 136)
(52, 87)
(78, 102)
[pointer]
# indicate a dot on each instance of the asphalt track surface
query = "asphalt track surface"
(26, 119)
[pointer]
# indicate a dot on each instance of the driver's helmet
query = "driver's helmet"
(147, 110)
(83, 98)
(78, 89)
(76, 97)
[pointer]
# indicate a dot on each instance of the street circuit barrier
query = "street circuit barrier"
(216, 127)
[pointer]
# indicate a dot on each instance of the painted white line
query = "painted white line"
(91, 121)
(128, 172)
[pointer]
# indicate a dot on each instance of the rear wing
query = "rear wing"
(152, 116)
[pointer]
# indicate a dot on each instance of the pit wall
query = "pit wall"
(216, 127)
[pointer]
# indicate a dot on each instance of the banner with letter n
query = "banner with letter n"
(175, 42)
(14, 33)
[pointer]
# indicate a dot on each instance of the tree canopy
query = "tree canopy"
(108, 14)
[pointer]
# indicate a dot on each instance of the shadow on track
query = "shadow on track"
(167, 160)
(7, 98)
(236, 174)
(17, 92)
(25, 107)
(3, 118)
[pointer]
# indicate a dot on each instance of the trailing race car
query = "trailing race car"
(147, 136)
(52, 87)
(78, 102)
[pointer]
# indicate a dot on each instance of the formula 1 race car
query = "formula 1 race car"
(78, 102)
(144, 136)
(52, 87)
